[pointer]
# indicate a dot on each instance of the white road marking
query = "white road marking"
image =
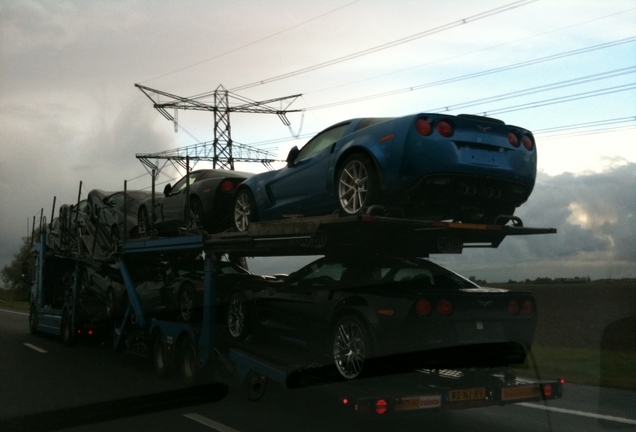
(13, 312)
(38, 349)
(209, 423)
(579, 413)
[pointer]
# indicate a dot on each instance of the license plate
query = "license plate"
(467, 394)
(418, 402)
(524, 392)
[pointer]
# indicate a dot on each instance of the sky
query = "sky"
(566, 70)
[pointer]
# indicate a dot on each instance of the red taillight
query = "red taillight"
(444, 308)
(381, 406)
(227, 186)
(423, 126)
(513, 307)
(345, 401)
(90, 332)
(546, 389)
(527, 308)
(512, 139)
(528, 142)
(423, 307)
(445, 129)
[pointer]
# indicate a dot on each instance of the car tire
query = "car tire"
(110, 303)
(196, 216)
(143, 222)
(186, 303)
(236, 317)
(159, 356)
(67, 329)
(351, 346)
(33, 319)
(357, 185)
(244, 210)
(188, 362)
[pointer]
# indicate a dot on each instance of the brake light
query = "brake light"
(445, 129)
(512, 139)
(423, 307)
(444, 308)
(423, 126)
(513, 307)
(527, 308)
(546, 389)
(345, 401)
(227, 186)
(381, 406)
(528, 142)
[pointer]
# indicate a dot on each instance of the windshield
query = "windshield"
(451, 245)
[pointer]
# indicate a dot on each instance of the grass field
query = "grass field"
(11, 299)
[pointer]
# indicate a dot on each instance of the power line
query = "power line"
(252, 43)
(585, 125)
(477, 74)
(442, 28)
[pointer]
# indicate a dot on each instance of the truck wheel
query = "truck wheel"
(351, 346)
(190, 371)
(67, 330)
(159, 356)
(33, 319)
(358, 185)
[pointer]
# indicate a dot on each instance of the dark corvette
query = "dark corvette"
(356, 311)
(210, 200)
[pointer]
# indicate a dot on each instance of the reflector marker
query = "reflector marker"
(579, 413)
(38, 349)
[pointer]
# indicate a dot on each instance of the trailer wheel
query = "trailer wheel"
(190, 371)
(67, 330)
(33, 319)
(159, 356)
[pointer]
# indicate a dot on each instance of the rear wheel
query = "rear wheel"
(237, 323)
(351, 346)
(67, 328)
(159, 353)
(244, 210)
(143, 222)
(186, 302)
(190, 371)
(33, 319)
(358, 186)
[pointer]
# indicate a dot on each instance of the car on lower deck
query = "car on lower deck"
(360, 311)
(435, 166)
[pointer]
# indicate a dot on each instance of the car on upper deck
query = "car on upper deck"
(207, 207)
(436, 166)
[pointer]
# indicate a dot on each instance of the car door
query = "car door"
(172, 207)
(300, 188)
(297, 310)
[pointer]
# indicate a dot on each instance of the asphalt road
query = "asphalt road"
(43, 382)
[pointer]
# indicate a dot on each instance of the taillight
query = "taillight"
(513, 139)
(445, 129)
(381, 406)
(527, 308)
(528, 142)
(444, 308)
(423, 307)
(513, 307)
(227, 186)
(546, 389)
(423, 126)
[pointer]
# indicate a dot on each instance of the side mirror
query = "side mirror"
(167, 190)
(292, 156)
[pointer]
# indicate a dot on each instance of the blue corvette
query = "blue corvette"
(466, 168)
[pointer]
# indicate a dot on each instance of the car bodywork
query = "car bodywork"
(211, 192)
(408, 309)
(465, 167)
